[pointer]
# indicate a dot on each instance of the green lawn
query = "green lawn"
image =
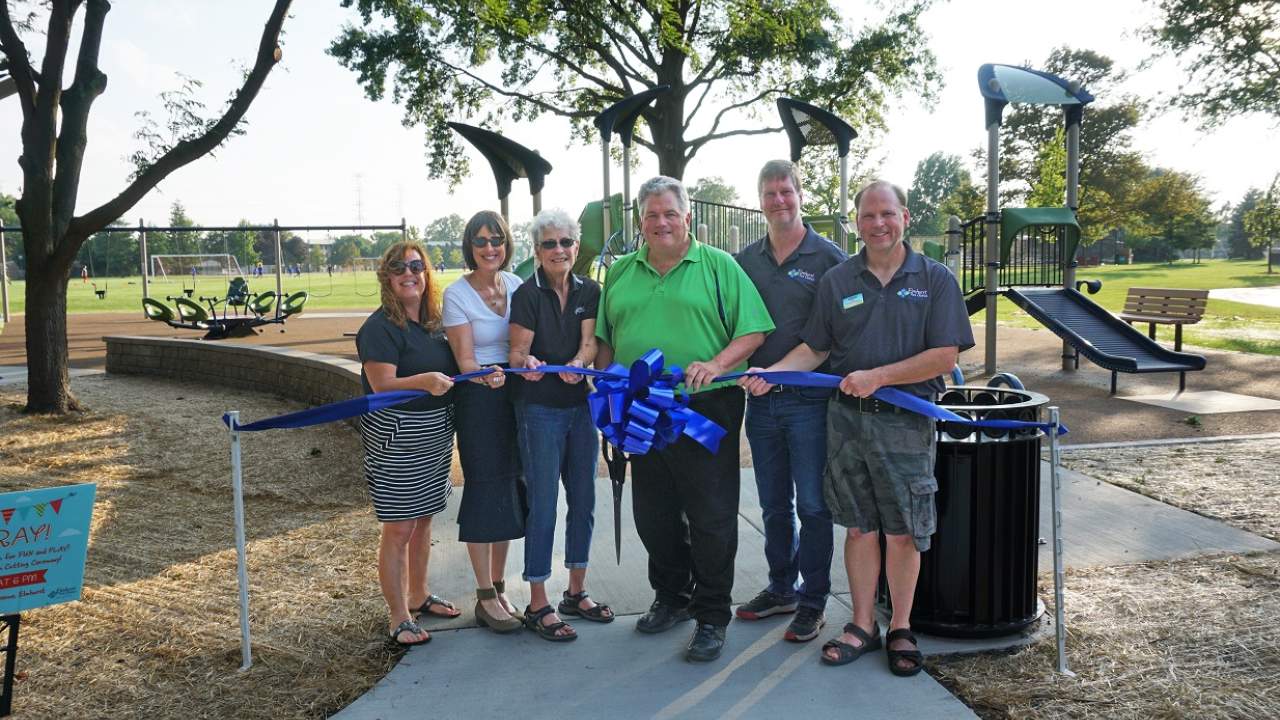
(1227, 325)
(346, 291)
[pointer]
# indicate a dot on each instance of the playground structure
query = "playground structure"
(1029, 254)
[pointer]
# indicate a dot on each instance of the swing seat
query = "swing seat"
(102, 294)
(156, 310)
(292, 305)
(262, 303)
(188, 291)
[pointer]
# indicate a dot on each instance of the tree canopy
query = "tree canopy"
(725, 60)
(936, 178)
(714, 189)
(1230, 50)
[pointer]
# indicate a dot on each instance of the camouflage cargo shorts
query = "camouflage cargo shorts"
(879, 473)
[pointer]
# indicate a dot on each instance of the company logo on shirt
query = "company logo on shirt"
(579, 310)
(798, 274)
(851, 301)
(913, 293)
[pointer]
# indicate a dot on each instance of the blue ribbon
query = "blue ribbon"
(640, 410)
(637, 410)
(893, 396)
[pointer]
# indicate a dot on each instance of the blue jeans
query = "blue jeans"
(557, 443)
(788, 435)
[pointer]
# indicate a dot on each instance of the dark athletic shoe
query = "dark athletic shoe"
(661, 618)
(764, 605)
(706, 643)
(805, 625)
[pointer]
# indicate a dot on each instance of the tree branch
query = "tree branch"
(737, 106)
(623, 11)
(88, 84)
(693, 145)
(527, 97)
(19, 63)
(189, 150)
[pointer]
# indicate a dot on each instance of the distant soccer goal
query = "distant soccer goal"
(364, 264)
(180, 266)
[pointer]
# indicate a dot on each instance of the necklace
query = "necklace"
(493, 296)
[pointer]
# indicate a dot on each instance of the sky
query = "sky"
(318, 152)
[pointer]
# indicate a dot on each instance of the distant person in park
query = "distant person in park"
(408, 448)
(787, 427)
(477, 314)
(885, 317)
(696, 304)
(257, 268)
(553, 321)
(84, 274)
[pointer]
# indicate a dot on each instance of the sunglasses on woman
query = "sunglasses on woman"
(495, 241)
(550, 243)
(397, 267)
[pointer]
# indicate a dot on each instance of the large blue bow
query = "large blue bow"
(640, 410)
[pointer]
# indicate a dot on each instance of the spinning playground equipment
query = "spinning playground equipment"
(252, 311)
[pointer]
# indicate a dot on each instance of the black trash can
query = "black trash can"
(978, 579)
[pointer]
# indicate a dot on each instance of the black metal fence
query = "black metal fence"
(720, 218)
(1035, 256)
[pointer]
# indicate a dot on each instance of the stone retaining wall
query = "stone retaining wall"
(306, 377)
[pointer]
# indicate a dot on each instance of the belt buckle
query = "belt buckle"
(776, 389)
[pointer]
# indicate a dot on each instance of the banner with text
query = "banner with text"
(44, 535)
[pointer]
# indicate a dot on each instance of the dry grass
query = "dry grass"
(1236, 482)
(1185, 639)
(156, 633)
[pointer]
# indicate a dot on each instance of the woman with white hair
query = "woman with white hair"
(553, 320)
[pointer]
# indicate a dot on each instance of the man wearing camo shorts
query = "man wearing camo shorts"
(887, 316)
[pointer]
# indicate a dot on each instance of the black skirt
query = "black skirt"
(493, 494)
(407, 454)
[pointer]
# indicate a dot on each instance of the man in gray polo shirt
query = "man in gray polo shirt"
(886, 317)
(787, 427)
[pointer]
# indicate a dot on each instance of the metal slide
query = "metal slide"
(1104, 339)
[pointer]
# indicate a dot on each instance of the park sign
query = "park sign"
(44, 535)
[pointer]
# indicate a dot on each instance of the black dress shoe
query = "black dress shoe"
(706, 643)
(661, 617)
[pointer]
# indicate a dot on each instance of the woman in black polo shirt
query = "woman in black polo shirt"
(408, 448)
(553, 320)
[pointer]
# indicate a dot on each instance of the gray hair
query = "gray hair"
(660, 184)
(557, 219)
(880, 185)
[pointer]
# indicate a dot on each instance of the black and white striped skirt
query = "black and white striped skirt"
(406, 461)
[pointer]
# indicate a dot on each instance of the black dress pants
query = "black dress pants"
(686, 511)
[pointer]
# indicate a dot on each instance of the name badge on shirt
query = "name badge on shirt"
(851, 301)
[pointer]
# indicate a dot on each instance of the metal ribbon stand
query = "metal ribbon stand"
(242, 571)
(1055, 491)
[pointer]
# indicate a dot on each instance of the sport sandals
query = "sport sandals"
(915, 657)
(571, 605)
(408, 626)
(846, 653)
(435, 601)
(533, 621)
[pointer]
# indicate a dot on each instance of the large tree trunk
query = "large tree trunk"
(48, 383)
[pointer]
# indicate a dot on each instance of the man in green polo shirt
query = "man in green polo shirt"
(696, 304)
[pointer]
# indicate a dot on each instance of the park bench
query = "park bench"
(1164, 306)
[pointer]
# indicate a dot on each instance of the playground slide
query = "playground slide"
(1104, 339)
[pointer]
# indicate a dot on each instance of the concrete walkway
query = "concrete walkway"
(612, 671)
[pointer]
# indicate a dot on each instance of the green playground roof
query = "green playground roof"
(1013, 220)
